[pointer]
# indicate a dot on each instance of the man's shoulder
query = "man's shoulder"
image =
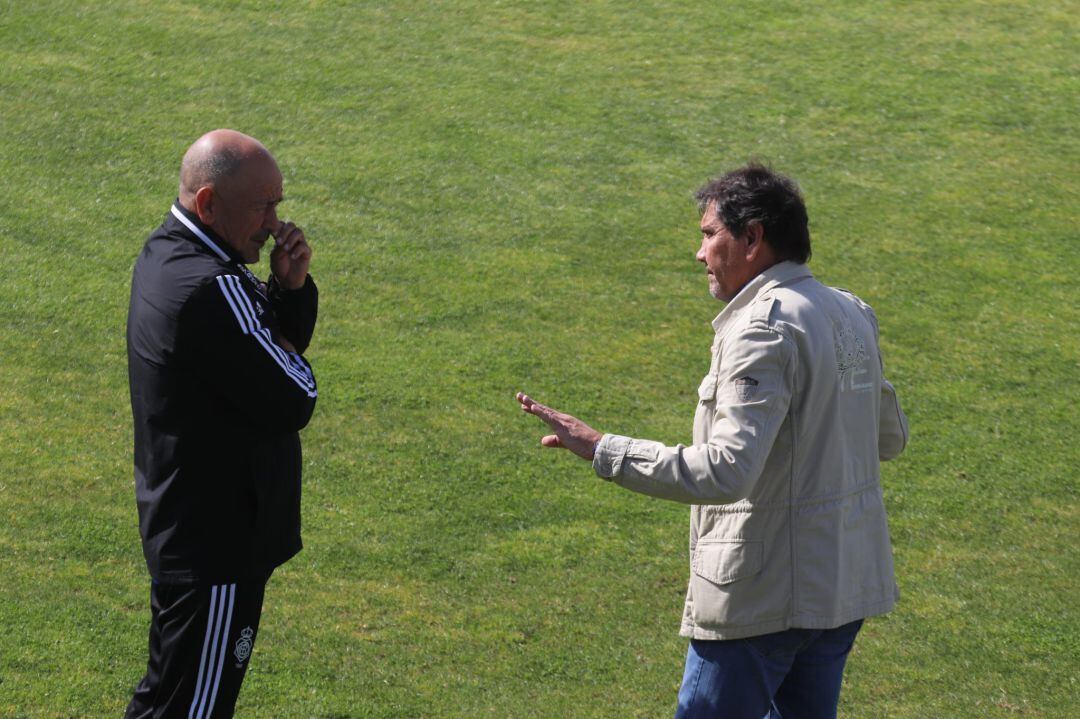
(852, 298)
(809, 296)
(178, 261)
(806, 306)
(171, 269)
(783, 304)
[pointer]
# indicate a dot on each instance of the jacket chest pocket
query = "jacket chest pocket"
(707, 389)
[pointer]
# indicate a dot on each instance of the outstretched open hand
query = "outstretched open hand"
(570, 432)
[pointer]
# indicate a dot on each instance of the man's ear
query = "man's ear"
(205, 204)
(755, 240)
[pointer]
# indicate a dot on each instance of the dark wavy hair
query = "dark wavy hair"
(755, 193)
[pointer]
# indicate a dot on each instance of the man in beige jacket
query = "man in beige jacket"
(789, 544)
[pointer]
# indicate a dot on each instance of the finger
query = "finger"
(546, 414)
(542, 411)
(279, 232)
(286, 230)
(550, 441)
(301, 249)
(278, 255)
(532, 404)
(291, 236)
(295, 238)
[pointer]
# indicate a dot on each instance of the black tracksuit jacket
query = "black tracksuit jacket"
(217, 405)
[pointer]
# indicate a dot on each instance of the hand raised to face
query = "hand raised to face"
(291, 256)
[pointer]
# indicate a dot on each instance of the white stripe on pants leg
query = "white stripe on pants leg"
(206, 646)
(224, 647)
(221, 604)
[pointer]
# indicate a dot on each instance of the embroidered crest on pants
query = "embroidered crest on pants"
(243, 644)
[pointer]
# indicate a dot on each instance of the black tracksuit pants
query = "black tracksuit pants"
(201, 637)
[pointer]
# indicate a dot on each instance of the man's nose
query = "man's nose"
(700, 256)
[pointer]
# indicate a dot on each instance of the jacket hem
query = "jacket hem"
(693, 631)
(251, 571)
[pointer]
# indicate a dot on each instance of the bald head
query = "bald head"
(216, 159)
(232, 183)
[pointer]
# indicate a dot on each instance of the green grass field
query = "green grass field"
(499, 198)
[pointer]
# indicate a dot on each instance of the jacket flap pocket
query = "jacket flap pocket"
(722, 561)
(706, 391)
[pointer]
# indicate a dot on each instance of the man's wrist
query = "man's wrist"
(285, 287)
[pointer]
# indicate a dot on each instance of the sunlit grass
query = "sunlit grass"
(499, 198)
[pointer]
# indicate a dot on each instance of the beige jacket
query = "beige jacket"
(788, 526)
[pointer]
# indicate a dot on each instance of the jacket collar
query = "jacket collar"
(778, 274)
(207, 236)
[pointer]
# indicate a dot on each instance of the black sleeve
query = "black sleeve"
(296, 311)
(229, 347)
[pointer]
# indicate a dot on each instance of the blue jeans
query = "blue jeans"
(794, 674)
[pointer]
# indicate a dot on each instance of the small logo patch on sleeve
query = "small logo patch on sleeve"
(746, 388)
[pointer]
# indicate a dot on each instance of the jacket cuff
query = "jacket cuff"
(274, 289)
(609, 455)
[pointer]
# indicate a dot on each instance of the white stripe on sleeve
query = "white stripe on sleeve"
(267, 341)
(242, 309)
(242, 304)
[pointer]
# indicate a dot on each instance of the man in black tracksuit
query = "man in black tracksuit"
(219, 390)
